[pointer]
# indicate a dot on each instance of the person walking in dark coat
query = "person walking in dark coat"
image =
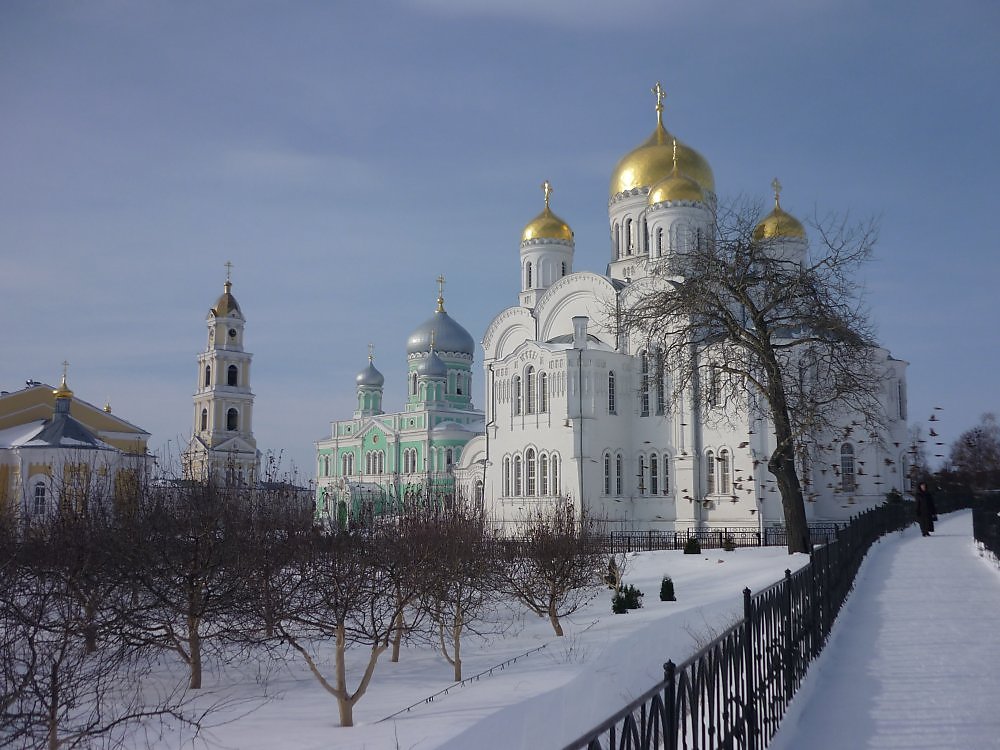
(925, 509)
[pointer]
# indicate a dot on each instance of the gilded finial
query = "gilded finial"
(63, 390)
(229, 275)
(107, 406)
(440, 281)
(660, 94)
(547, 189)
(776, 186)
(371, 353)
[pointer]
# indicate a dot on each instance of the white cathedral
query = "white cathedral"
(575, 412)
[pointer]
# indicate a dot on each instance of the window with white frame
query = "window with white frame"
(847, 481)
(517, 395)
(607, 473)
(529, 388)
(506, 476)
(709, 473)
(530, 472)
(554, 461)
(644, 385)
(611, 392)
(725, 472)
(39, 506)
(543, 392)
(618, 474)
(543, 474)
(654, 475)
(517, 476)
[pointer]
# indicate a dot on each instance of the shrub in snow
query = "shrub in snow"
(729, 544)
(629, 597)
(667, 590)
(692, 546)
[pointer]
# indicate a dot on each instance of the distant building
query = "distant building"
(376, 462)
(58, 451)
(222, 445)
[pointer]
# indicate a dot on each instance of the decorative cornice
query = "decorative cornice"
(546, 241)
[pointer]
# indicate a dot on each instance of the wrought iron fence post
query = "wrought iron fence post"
(670, 729)
(750, 711)
(789, 678)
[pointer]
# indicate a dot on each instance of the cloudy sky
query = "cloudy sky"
(343, 154)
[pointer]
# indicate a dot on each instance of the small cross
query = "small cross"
(432, 338)
(440, 281)
(229, 271)
(661, 94)
(371, 352)
(65, 368)
(776, 186)
(547, 189)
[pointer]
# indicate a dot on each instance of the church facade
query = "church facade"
(377, 462)
(575, 411)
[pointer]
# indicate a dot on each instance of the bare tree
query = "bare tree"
(975, 455)
(744, 330)
(555, 569)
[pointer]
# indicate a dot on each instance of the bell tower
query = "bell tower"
(222, 446)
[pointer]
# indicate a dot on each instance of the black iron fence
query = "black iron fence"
(986, 524)
(715, 538)
(733, 693)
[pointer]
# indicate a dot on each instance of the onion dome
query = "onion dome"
(227, 306)
(433, 367)
(778, 224)
(547, 225)
(370, 377)
(440, 330)
(653, 160)
(63, 390)
(676, 187)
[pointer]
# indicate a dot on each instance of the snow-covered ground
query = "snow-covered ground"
(914, 658)
(913, 662)
(543, 700)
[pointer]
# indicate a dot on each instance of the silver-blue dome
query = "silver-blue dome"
(433, 367)
(449, 336)
(370, 377)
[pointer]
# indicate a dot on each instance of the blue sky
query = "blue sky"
(342, 155)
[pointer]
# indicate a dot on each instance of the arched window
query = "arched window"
(477, 492)
(607, 473)
(381, 462)
(517, 476)
(666, 474)
(527, 275)
(611, 392)
(39, 505)
(555, 474)
(847, 481)
(618, 242)
(208, 375)
(618, 474)
(543, 474)
(346, 464)
(516, 387)
(564, 268)
(204, 419)
(645, 237)
(659, 241)
(654, 475)
(543, 392)
(659, 375)
(232, 420)
(529, 388)
(449, 458)
(709, 473)
(629, 240)
(725, 473)
(641, 475)
(232, 375)
(368, 462)
(413, 384)
(644, 385)
(530, 469)
(506, 476)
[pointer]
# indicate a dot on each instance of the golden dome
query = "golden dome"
(778, 224)
(226, 305)
(547, 225)
(63, 390)
(675, 186)
(653, 160)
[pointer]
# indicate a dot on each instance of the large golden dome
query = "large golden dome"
(779, 223)
(653, 160)
(547, 225)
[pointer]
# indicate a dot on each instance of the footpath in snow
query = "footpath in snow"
(914, 658)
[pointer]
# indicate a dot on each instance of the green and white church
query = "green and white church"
(377, 462)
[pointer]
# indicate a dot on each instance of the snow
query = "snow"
(912, 663)
(914, 658)
(12, 437)
(545, 699)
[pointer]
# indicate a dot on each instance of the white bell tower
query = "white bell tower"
(222, 446)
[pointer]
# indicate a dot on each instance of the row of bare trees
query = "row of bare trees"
(92, 599)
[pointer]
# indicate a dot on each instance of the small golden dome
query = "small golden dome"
(675, 186)
(226, 305)
(547, 225)
(778, 224)
(63, 390)
(653, 160)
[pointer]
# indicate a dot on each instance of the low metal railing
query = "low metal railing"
(733, 693)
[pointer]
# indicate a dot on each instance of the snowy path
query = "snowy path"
(914, 659)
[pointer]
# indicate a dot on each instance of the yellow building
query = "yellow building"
(57, 450)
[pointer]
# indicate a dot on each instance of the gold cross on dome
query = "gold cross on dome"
(547, 189)
(776, 186)
(660, 94)
(440, 281)
(229, 271)
(65, 368)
